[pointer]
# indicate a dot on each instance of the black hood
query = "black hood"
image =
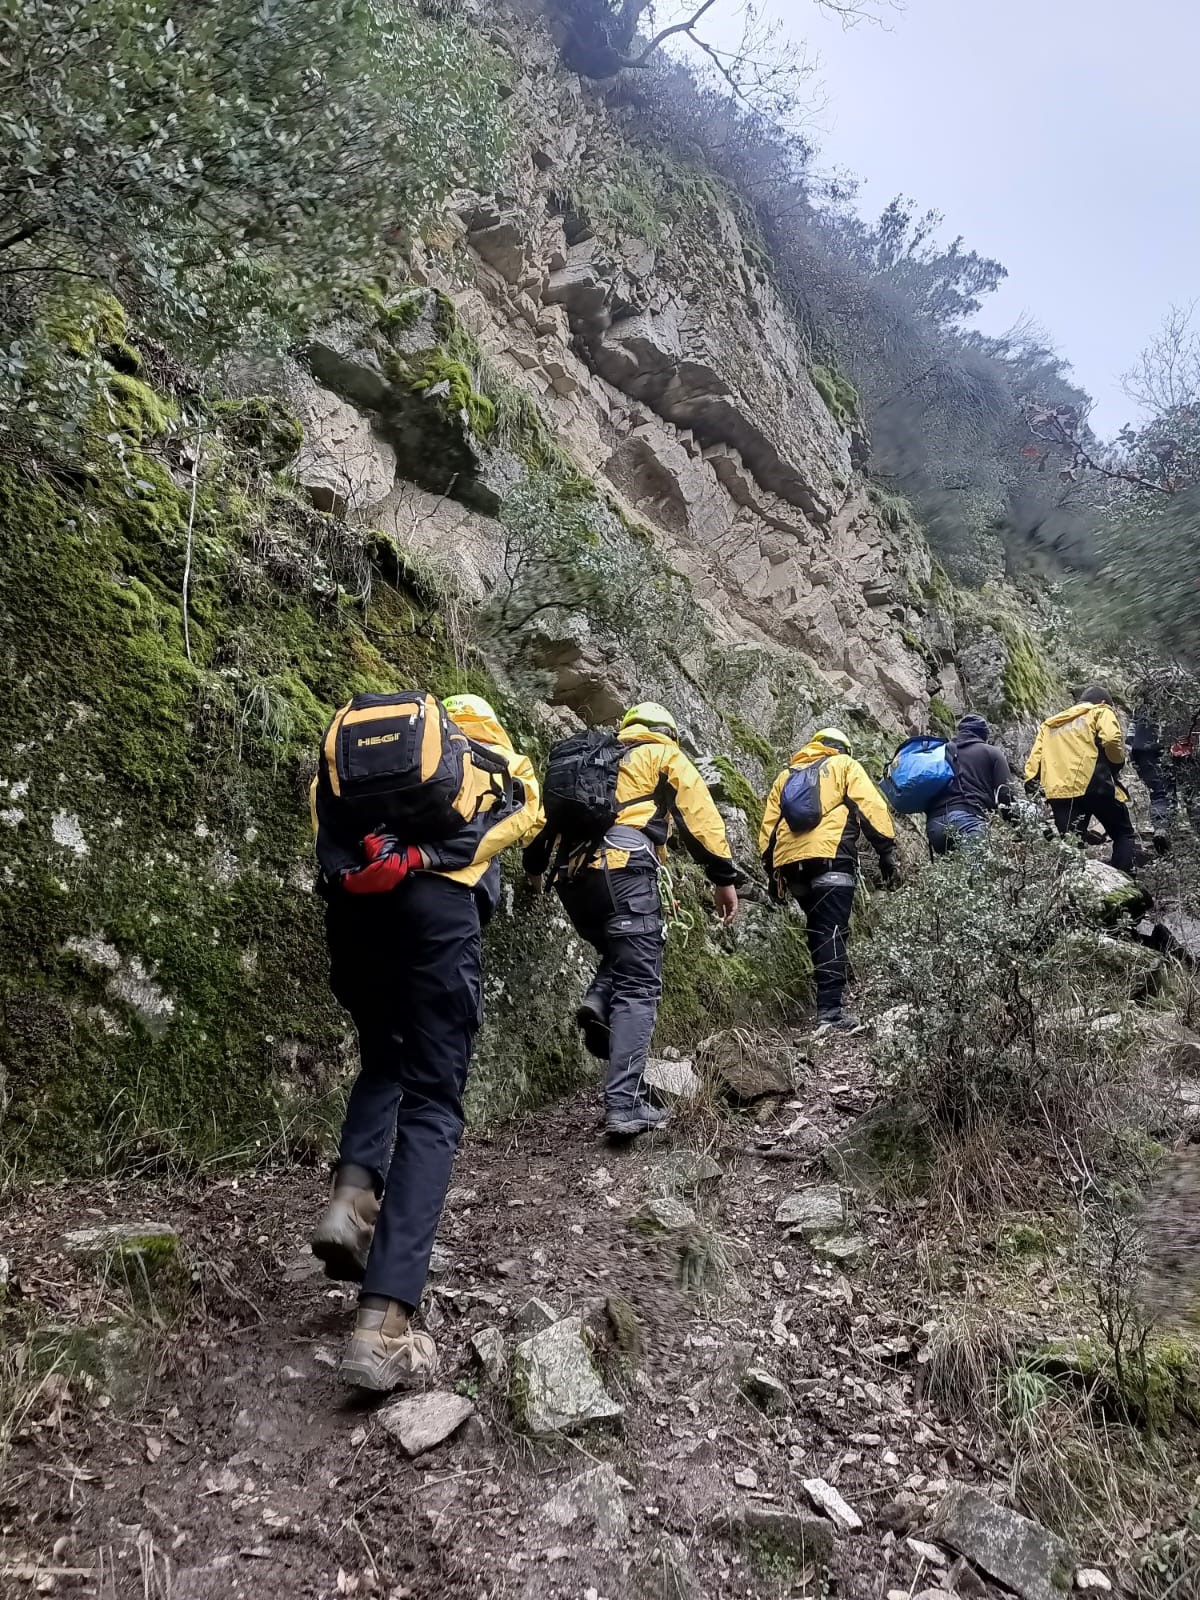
(971, 728)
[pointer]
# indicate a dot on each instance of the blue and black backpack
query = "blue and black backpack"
(919, 774)
(800, 800)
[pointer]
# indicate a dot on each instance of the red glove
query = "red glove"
(388, 866)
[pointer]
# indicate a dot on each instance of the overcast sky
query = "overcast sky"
(1061, 136)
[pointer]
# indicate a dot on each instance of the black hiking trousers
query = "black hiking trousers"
(620, 914)
(825, 893)
(1072, 816)
(408, 967)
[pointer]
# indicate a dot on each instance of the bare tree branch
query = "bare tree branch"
(665, 34)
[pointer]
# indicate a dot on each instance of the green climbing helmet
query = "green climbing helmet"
(649, 714)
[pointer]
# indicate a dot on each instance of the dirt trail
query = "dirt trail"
(229, 1462)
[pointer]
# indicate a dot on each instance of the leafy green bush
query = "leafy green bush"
(999, 1041)
(223, 167)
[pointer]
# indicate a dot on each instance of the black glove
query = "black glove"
(888, 870)
(1032, 788)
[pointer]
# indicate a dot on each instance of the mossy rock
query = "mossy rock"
(1156, 1387)
(162, 963)
(262, 428)
(941, 717)
(838, 393)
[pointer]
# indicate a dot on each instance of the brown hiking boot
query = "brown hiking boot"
(384, 1352)
(342, 1238)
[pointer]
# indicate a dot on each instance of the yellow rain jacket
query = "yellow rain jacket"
(850, 803)
(1078, 752)
(658, 791)
(468, 855)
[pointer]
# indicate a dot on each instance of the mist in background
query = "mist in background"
(1060, 138)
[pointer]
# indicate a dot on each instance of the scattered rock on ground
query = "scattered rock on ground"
(663, 1214)
(1183, 933)
(840, 1246)
(827, 1499)
(745, 1068)
(151, 1242)
(555, 1388)
(670, 1081)
(793, 1533)
(1109, 891)
(420, 1421)
(812, 1211)
(592, 1500)
(488, 1347)
(924, 1551)
(889, 1140)
(533, 1316)
(1092, 1580)
(1018, 1553)
(684, 1172)
(764, 1389)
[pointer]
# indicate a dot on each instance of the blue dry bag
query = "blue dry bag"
(918, 774)
(800, 801)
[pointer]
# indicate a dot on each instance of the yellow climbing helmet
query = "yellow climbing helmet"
(833, 736)
(473, 704)
(649, 714)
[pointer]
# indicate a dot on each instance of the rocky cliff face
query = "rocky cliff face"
(666, 364)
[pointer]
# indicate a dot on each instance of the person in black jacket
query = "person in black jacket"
(983, 783)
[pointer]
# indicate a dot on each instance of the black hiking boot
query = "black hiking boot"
(626, 1122)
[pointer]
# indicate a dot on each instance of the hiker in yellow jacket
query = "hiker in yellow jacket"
(818, 864)
(610, 891)
(1075, 761)
(404, 925)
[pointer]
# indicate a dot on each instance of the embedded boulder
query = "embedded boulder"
(1018, 1553)
(591, 1502)
(555, 1386)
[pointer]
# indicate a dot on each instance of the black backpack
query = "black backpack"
(580, 791)
(395, 762)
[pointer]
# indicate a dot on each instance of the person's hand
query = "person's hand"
(388, 864)
(726, 902)
(888, 870)
(535, 882)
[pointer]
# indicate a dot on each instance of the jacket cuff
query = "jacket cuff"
(724, 874)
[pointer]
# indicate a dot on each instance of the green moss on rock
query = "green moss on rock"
(838, 393)
(442, 375)
(262, 427)
(1027, 682)
(740, 793)
(941, 716)
(759, 973)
